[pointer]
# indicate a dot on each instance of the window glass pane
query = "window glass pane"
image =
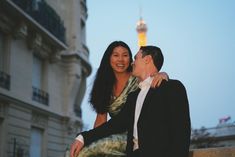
(1, 129)
(1, 51)
(36, 143)
(37, 72)
(35, 4)
(83, 32)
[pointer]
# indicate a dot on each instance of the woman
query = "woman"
(112, 84)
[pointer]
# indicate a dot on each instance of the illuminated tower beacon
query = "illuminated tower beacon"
(141, 30)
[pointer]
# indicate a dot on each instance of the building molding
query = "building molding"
(34, 108)
(35, 25)
(73, 126)
(3, 110)
(21, 31)
(39, 120)
(6, 24)
(86, 66)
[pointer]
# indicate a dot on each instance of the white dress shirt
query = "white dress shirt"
(144, 86)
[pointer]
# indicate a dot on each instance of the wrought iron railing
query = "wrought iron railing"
(78, 110)
(40, 96)
(44, 15)
(4, 80)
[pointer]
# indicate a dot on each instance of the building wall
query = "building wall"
(64, 72)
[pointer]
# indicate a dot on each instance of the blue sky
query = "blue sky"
(196, 37)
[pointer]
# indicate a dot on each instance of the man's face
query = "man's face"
(138, 64)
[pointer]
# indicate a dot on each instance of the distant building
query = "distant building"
(223, 135)
(142, 32)
(43, 69)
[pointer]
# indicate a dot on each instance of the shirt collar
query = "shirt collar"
(146, 83)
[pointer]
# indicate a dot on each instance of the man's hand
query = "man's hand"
(75, 148)
(157, 79)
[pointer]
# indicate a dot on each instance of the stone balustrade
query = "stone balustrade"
(213, 152)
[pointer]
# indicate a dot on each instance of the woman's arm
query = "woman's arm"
(100, 119)
(157, 79)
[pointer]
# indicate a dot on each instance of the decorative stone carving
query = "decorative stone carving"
(35, 40)
(21, 31)
(83, 9)
(39, 120)
(55, 56)
(73, 127)
(42, 48)
(6, 24)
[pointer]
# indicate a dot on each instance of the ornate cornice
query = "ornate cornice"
(6, 24)
(86, 66)
(15, 21)
(20, 31)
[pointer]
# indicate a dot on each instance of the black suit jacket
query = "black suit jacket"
(163, 126)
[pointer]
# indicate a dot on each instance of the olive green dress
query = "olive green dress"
(114, 145)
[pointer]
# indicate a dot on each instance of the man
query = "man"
(157, 119)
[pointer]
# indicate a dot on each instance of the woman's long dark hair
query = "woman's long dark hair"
(100, 96)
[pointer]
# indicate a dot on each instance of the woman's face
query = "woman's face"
(120, 59)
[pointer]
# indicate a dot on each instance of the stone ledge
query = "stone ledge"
(213, 152)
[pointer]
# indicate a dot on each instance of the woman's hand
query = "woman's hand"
(76, 148)
(157, 79)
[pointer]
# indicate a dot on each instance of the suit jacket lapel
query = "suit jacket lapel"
(135, 93)
(147, 101)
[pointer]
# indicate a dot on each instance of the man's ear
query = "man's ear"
(148, 59)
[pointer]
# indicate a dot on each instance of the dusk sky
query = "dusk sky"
(197, 39)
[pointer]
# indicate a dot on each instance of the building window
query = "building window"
(35, 4)
(4, 62)
(36, 142)
(2, 43)
(38, 81)
(37, 72)
(1, 137)
(83, 32)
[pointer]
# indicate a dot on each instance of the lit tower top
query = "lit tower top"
(141, 30)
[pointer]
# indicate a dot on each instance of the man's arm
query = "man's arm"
(180, 126)
(115, 125)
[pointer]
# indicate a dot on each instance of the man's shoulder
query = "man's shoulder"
(172, 83)
(175, 82)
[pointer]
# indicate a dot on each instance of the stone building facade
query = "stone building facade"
(43, 69)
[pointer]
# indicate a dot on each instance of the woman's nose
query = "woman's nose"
(120, 58)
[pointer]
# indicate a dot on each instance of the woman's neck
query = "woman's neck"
(121, 81)
(120, 77)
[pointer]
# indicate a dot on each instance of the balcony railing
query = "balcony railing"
(78, 110)
(40, 96)
(44, 15)
(4, 80)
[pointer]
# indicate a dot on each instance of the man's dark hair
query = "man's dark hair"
(155, 53)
